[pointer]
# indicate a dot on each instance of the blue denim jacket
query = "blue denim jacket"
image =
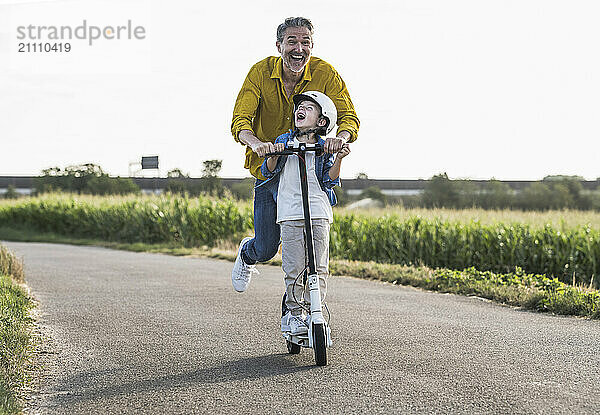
(323, 164)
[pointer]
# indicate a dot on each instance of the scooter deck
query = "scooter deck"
(300, 340)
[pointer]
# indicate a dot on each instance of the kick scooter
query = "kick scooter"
(319, 335)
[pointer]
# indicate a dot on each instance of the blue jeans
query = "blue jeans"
(265, 243)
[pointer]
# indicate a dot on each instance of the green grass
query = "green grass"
(16, 341)
(10, 265)
(519, 289)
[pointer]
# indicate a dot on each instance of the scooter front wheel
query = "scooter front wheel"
(320, 344)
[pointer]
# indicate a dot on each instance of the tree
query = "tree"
(104, 185)
(440, 192)
(211, 168)
(468, 194)
(536, 196)
(11, 192)
(52, 179)
(83, 178)
(211, 183)
(177, 187)
(80, 175)
(560, 197)
(496, 195)
(561, 177)
(52, 172)
(177, 174)
(176, 183)
(575, 197)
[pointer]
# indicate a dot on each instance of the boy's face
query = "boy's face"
(308, 115)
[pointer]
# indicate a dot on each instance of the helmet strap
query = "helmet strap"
(308, 132)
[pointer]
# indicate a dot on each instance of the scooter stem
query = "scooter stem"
(310, 248)
(316, 310)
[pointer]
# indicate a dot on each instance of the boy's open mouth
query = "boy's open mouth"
(300, 116)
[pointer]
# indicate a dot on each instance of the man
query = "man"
(263, 111)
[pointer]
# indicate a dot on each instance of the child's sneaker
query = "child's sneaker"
(298, 325)
(285, 322)
(242, 272)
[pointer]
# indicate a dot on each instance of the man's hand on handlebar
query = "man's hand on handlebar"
(263, 148)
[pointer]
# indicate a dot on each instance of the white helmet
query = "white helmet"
(328, 109)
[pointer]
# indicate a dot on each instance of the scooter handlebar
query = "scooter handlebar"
(303, 147)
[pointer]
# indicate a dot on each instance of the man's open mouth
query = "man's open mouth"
(296, 57)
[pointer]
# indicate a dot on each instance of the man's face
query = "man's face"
(296, 48)
(308, 115)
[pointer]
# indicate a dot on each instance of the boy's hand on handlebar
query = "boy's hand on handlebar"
(272, 160)
(263, 148)
(333, 144)
(278, 147)
(345, 150)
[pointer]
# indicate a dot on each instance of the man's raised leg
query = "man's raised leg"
(265, 243)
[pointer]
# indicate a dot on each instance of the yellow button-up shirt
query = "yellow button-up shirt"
(263, 107)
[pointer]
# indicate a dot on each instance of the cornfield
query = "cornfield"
(187, 222)
(569, 252)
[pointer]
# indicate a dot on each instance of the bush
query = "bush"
(374, 193)
(243, 190)
(11, 192)
(441, 192)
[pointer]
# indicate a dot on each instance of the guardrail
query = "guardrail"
(24, 184)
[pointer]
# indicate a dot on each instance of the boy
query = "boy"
(314, 115)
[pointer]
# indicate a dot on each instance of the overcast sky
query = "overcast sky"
(477, 89)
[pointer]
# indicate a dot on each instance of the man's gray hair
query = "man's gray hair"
(293, 22)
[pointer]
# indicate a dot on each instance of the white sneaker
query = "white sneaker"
(285, 322)
(242, 272)
(298, 325)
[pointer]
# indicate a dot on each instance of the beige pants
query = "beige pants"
(295, 259)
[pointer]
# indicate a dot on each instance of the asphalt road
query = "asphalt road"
(150, 333)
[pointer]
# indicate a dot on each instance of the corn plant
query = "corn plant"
(570, 253)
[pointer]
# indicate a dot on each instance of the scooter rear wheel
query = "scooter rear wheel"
(293, 348)
(320, 344)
